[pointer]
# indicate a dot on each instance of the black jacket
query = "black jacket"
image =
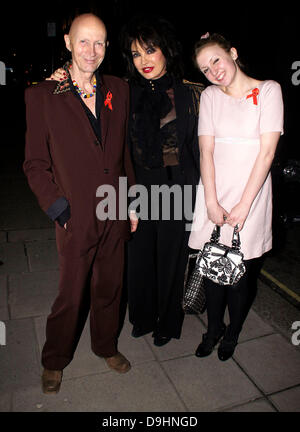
(187, 99)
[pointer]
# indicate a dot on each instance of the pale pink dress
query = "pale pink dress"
(237, 125)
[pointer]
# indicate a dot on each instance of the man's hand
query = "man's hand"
(133, 221)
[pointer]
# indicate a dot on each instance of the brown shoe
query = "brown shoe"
(118, 362)
(51, 380)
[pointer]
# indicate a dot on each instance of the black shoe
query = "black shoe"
(161, 340)
(226, 349)
(208, 343)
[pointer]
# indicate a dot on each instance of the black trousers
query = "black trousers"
(157, 257)
(238, 298)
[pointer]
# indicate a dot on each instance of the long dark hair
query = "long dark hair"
(152, 31)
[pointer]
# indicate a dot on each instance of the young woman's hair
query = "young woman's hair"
(213, 39)
(151, 31)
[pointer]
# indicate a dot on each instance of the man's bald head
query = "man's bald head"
(87, 20)
(87, 43)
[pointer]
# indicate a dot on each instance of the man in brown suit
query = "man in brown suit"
(76, 142)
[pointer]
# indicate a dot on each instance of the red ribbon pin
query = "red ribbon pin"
(108, 100)
(254, 94)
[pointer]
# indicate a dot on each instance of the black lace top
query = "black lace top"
(153, 128)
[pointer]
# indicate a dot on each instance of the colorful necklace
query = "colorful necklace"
(81, 92)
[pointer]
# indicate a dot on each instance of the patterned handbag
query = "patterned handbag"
(220, 263)
(194, 295)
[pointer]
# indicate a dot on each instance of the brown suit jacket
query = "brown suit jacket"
(63, 157)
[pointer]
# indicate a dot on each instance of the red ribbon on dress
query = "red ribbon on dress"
(108, 100)
(254, 94)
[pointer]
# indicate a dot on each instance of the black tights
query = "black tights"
(238, 298)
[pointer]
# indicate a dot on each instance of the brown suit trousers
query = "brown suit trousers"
(92, 282)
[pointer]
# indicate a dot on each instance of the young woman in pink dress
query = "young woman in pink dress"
(240, 123)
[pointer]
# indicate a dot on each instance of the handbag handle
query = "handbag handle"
(236, 242)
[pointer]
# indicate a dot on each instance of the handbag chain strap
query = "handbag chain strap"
(236, 242)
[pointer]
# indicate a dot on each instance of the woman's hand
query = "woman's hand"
(58, 75)
(238, 215)
(217, 214)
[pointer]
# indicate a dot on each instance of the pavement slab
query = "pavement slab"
(5, 401)
(32, 294)
(287, 400)
(42, 255)
(208, 384)
(270, 361)
(135, 391)
(260, 405)
(19, 363)
(13, 258)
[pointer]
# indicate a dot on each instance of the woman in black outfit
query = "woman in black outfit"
(164, 147)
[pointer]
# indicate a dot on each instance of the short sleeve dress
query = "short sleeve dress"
(237, 125)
